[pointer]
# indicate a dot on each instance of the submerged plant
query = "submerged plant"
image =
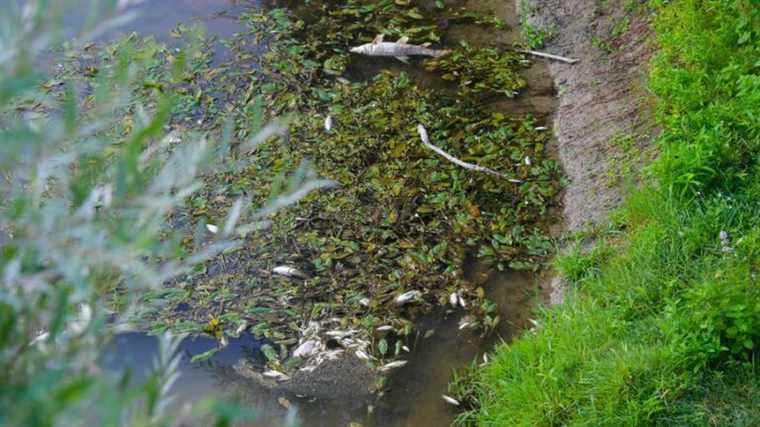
(481, 70)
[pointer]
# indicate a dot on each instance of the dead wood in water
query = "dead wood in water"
(426, 140)
(549, 56)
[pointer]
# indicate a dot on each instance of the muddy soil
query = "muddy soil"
(603, 123)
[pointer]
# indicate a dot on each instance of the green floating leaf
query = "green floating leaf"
(204, 356)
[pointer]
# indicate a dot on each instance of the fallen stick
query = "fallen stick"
(549, 55)
(426, 141)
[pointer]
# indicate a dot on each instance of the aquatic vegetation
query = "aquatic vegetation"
(478, 70)
(399, 221)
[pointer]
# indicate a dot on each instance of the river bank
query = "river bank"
(656, 316)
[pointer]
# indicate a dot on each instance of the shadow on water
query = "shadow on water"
(157, 18)
(134, 353)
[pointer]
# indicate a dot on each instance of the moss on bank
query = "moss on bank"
(664, 317)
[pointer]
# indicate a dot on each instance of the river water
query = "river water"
(413, 393)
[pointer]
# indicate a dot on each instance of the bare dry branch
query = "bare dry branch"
(426, 141)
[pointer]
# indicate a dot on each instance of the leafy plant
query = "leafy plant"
(91, 179)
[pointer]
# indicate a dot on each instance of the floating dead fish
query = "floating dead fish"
(405, 348)
(223, 341)
(306, 349)
(466, 322)
(328, 123)
(361, 355)
(456, 299)
(407, 297)
(277, 375)
(284, 270)
(285, 403)
(384, 328)
(453, 299)
(527, 161)
(212, 228)
(393, 365)
(450, 400)
(364, 302)
(340, 334)
(540, 128)
(243, 326)
(485, 360)
(333, 354)
(400, 49)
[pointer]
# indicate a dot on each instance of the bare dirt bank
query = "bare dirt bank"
(602, 124)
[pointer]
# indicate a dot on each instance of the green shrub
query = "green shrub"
(84, 210)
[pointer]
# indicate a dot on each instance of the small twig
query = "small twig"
(425, 140)
(549, 55)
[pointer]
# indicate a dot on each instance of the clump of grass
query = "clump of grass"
(534, 36)
(667, 323)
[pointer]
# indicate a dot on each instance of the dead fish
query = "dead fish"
(333, 354)
(450, 400)
(364, 302)
(285, 403)
(361, 355)
(456, 299)
(328, 123)
(407, 297)
(384, 328)
(465, 322)
(284, 270)
(243, 326)
(277, 375)
(400, 49)
(306, 349)
(527, 161)
(405, 348)
(340, 334)
(393, 365)
(453, 299)
(212, 228)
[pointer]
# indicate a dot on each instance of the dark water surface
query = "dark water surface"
(150, 17)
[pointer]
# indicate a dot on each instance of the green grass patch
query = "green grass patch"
(662, 323)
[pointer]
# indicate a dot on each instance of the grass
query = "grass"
(663, 317)
(534, 36)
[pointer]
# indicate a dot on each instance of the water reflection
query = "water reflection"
(134, 353)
